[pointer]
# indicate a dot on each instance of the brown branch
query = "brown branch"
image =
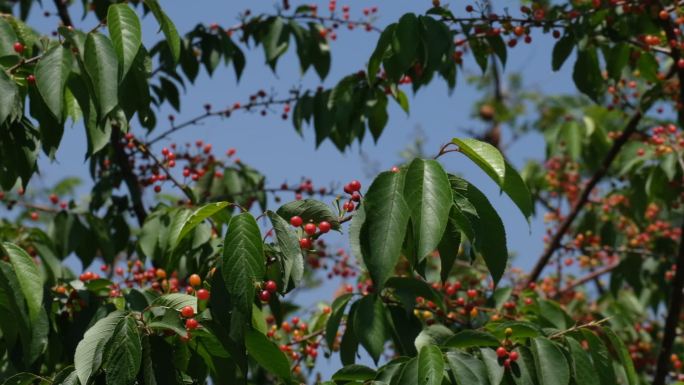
(63, 12)
(129, 177)
(675, 306)
(584, 196)
(589, 277)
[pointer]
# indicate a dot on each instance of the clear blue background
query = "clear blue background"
(271, 145)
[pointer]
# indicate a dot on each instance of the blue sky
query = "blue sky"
(271, 145)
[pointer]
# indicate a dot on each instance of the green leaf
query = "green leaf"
(243, 261)
(490, 160)
(167, 26)
(102, 67)
(199, 215)
(600, 357)
(433, 335)
(7, 38)
(175, 301)
(561, 51)
(89, 352)
(495, 371)
(376, 58)
(551, 364)
(310, 210)
(587, 73)
(409, 373)
(276, 40)
(490, 235)
(124, 353)
(428, 194)
(616, 59)
(369, 325)
(288, 242)
(267, 354)
(382, 233)
(470, 338)
(125, 32)
(354, 373)
(623, 354)
(29, 277)
(333, 324)
(467, 370)
(430, 366)
(408, 288)
(405, 41)
(52, 73)
(582, 369)
(449, 245)
(26, 379)
(9, 96)
(522, 371)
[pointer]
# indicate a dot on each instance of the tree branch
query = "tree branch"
(63, 13)
(129, 177)
(555, 242)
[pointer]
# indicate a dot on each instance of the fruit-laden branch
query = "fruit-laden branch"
(555, 242)
(121, 160)
(589, 277)
(63, 12)
(675, 306)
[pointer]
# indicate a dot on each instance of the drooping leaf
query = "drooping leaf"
(102, 66)
(288, 242)
(552, 366)
(561, 50)
(126, 34)
(382, 233)
(587, 73)
(243, 260)
(167, 26)
(7, 38)
(29, 277)
(467, 370)
(52, 73)
(124, 353)
(267, 354)
(623, 355)
(582, 369)
(369, 325)
(9, 97)
(333, 324)
(89, 352)
(430, 366)
(428, 194)
(354, 373)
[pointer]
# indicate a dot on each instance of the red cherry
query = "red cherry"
(324, 227)
(34, 216)
(513, 356)
(187, 311)
(54, 199)
(472, 293)
(296, 221)
(680, 63)
(501, 352)
(305, 243)
(18, 48)
(191, 324)
(271, 286)
(664, 15)
(355, 185)
(157, 188)
(265, 296)
(310, 228)
(203, 294)
(31, 79)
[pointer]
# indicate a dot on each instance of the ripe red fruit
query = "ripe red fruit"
(34, 216)
(54, 199)
(324, 227)
(31, 79)
(472, 293)
(191, 324)
(296, 221)
(501, 352)
(18, 48)
(305, 243)
(264, 296)
(203, 294)
(187, 311)
(310, 228)
(664, 15)
(513, 356)
(355, 185)
(195, 280)
(680, 63)
(271, 286)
